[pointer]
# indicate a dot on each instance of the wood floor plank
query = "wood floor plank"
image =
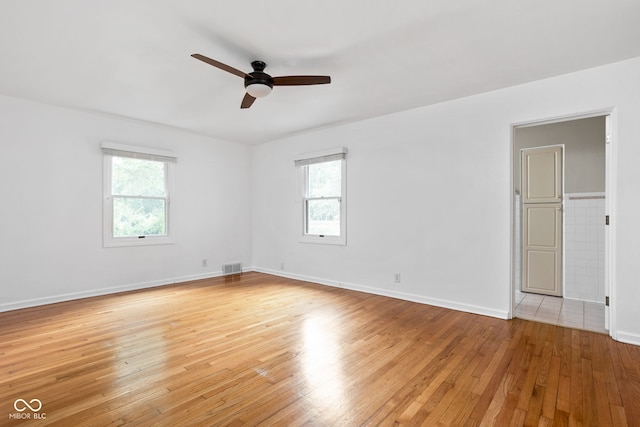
(497, 377)
(552, 386)
(589, 408)
(576, 396)
(255, 349)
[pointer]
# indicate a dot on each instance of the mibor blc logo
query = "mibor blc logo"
(27, 410)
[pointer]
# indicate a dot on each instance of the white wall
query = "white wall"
(51, 206)
(429, 195)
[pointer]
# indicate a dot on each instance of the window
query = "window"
(323, 197)
(137, 195)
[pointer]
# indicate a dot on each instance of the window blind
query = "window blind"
(321, 156)
(144, 153)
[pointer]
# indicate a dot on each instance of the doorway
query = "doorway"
(578, 298)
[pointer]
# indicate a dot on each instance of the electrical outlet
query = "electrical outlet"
(282, 266)
(396, 277)
(204, 262)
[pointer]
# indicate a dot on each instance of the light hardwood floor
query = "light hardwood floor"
(256, 349)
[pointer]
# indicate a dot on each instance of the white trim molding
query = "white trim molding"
(106, 291)
(627, 337)
(452, 305)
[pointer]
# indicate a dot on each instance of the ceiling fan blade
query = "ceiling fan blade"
(300, 80)
(220, 65)
(247, 101)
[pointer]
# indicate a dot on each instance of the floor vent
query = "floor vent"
(232, 268)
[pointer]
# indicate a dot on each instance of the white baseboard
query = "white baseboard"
(106, 291)
(468, 308)
(628, 337)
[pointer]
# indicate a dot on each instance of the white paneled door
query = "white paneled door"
(542, 220)
(542, 175)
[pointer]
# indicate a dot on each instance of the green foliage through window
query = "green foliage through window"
(138, 188)
(134, 216)
(324, 179)
(135, 177)
(324, 188)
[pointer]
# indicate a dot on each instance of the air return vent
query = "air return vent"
(232, 268)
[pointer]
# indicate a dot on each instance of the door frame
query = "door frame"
(611, 174)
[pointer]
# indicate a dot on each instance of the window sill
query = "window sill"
(147, 241)
(329, 240)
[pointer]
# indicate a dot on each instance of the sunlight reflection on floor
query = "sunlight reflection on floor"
(321, 361)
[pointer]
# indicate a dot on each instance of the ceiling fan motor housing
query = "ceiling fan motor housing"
(258, 76)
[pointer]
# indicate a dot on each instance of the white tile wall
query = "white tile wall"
(584, 246)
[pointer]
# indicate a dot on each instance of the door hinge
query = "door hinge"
(606, 301)
(606, 220)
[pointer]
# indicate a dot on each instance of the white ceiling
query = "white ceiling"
(131, 58)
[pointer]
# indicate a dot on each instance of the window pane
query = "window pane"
(136, 177)
(323, 217)
(324, 179)
(138, 217)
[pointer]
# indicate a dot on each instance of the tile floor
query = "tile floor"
(560, 311)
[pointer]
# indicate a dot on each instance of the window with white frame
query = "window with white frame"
(323, 196)
(138, 186)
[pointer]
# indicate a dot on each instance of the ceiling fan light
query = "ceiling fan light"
(258, 90)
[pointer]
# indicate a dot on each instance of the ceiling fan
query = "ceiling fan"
(258, 83)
